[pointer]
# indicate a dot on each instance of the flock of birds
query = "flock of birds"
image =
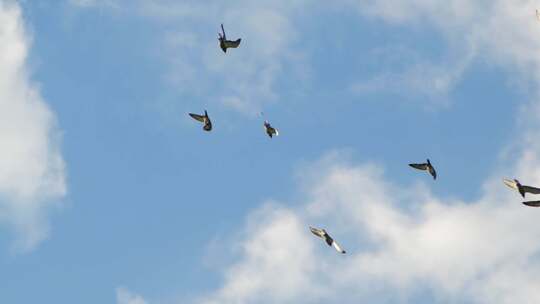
(225, 44)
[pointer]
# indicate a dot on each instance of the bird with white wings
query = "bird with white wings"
(522, 189)
(327, 238)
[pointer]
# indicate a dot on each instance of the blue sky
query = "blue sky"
(114, 195)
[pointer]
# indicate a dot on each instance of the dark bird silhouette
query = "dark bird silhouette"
(326, 237)
(204, 119)
(224, 44)
(515, 184)
(271, 131)
(426, 167)
(532, 203)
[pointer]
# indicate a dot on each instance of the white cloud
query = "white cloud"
(276, 260)
(244, 79)
(502, 32)
(400, 241)
(124, 296)
(32, 173)
(94, 3)
(426, 79)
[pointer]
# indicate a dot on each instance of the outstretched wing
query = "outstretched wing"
(232, 43)
(337, 247)
(532, 203)
(530, 189)
(510, 183)
(419, 166)
(317, 232)
(223, 30)
(197, 117)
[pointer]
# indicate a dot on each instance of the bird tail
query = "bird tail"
(337, 247)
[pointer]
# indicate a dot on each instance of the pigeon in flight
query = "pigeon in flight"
(324, 235)
(426, 166)
(271, 131)
(204, 119)
(515, 184)
(224, 44)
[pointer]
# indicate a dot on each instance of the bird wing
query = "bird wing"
(510, 183)
(197, 117)
(419, 166)
(433, 172)
(532, 190)
(317, 232)
(232, 43)
(337, 247)
(532, 203)
(223, 30)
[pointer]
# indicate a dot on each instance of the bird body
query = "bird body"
(271, 131)
(427, 166)
(204, 119)
(327, 238)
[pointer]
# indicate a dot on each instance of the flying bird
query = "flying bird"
(532, 203)
(271, 131)
(204, 119)
(324, 235)
(426, 166)
(224, 44)
(515, 184)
